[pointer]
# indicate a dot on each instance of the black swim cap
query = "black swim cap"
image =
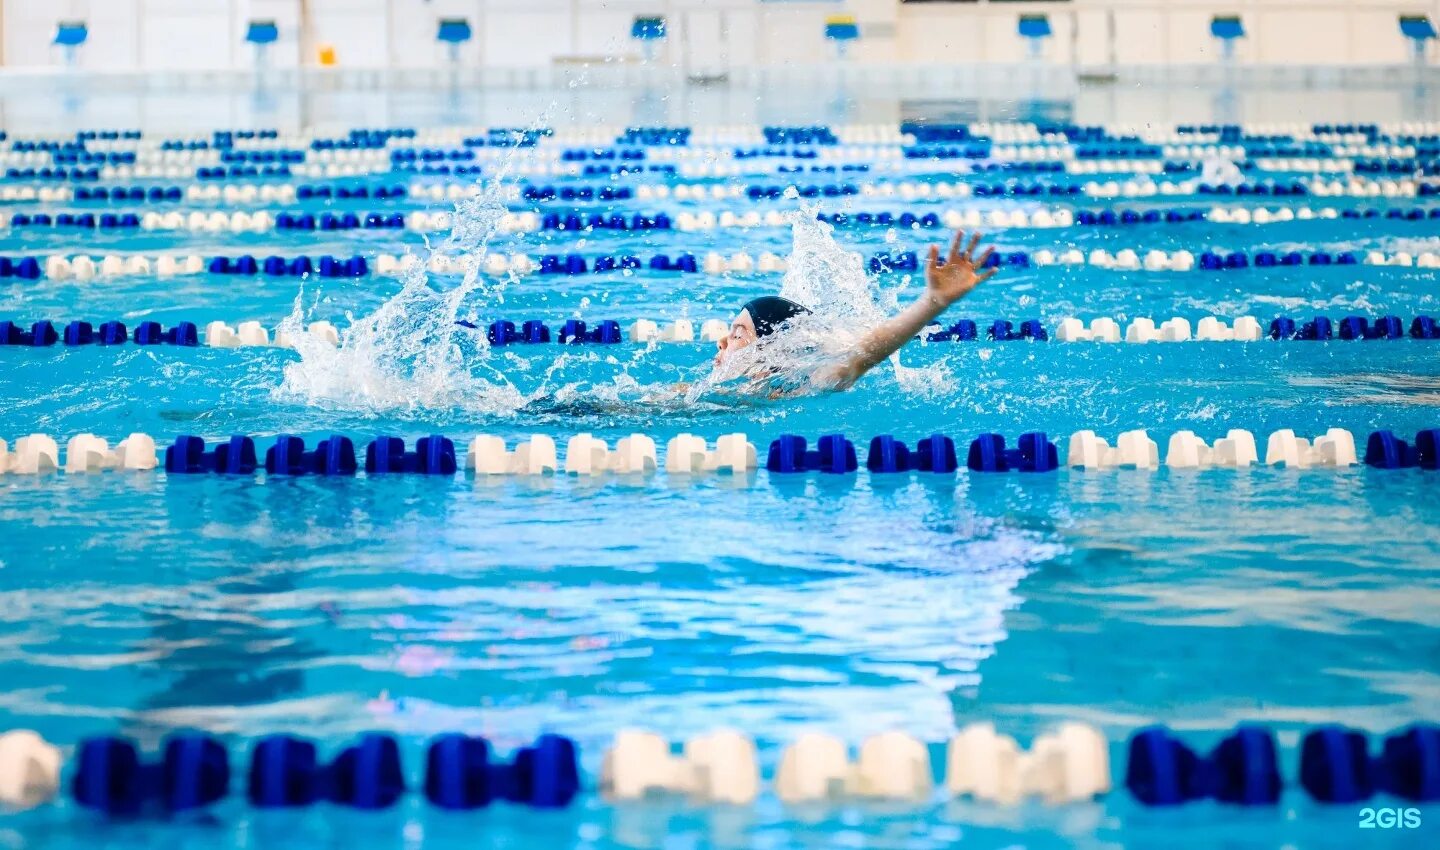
(769, 312)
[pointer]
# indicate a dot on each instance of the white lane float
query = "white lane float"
(29, 770)
(687, 454)
(891, 766)
(715, 768)
(1070, 764)
(488, 456)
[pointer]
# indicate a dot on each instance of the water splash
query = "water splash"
(409, 354)
(845, 302)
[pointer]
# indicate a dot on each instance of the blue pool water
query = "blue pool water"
(142, 604)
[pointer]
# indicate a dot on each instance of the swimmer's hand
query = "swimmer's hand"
(945, 284)
(961, 272)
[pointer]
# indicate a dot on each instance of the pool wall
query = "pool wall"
(708, 38)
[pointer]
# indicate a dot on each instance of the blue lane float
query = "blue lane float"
(237, 171)
(541, 194)
(25, 268)
(1034, 452)
(188, 455)
(308, 191)
(342, 221)
(285, 772)
(1386, 451)
(334, 455)
(1243, 769)
(275, 266)
(906, 220)
(935, 453)
(833, 454)
(459, 773)
(1336, 765)
(530, 332)
(597, 221)
(574, 332)
(43, 334)
(576, 264)
(77, 221)
(40, 334)
(193, 772)
(433, 455)
(776, 192)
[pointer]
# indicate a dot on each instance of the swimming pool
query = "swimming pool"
(147, 603)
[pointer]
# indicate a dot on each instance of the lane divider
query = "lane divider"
(687, 222)
(1243, 769)
(1068, 764)
(1128, 259)
(236, 222)
(687, 454)
(85, 267)
(218, 334)
(1246, 329)
(1091, 142)
(1353, 186)
(194, 772)
(911, 190)
(1392, 139)
(764, 164)
(752, 161)
(183, 334)
(232, 193)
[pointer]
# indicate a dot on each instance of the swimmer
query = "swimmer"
(945, 283)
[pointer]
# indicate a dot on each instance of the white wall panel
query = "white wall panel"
(359, 30)
(1187, 39)
(1140, 36)
(180, 34)
(30, 25)
(709, 35)
(510, 38)
(415, 24)
(1374, 37)
(703, 40)
(1093, 43)
(527, 33)
(603, 30)
(30, 30)
(793, 35)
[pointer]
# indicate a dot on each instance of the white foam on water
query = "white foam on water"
(409, 355)
(845, 303)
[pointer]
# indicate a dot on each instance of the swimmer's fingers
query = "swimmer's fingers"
(974, 243)
(955, 247)
(986, 275)
(934, 258)
(985, 257)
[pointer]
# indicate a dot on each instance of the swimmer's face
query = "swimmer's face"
(742, 334)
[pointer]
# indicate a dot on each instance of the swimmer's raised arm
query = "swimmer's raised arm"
(945, 283)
